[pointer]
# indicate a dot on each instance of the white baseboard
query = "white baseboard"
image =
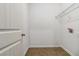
(36, 46)
(25, 51)
(67, 50)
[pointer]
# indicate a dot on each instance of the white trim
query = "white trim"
(25, 52)
(32, 46)
(67, 50)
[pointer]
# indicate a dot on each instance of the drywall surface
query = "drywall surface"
(64, 6)
(44, 28)
(70, 41)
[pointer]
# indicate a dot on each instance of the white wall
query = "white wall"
(64, 6)
(70, 40)
(44, 28)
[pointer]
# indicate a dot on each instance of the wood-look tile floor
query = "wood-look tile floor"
(56, 51)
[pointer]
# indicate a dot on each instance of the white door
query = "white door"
(12, 50)
(11, 17)
(2, 16)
